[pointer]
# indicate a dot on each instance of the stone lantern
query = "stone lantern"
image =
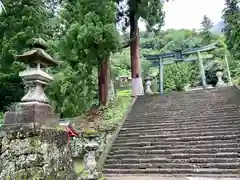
(220, 82)
(35, 107)
(148, 85)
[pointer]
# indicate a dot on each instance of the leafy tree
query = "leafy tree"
(88, 38)
(231, 18)
(129, 14)
(23, 21)
(206, 30)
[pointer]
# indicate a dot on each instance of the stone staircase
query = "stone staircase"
(194, 133)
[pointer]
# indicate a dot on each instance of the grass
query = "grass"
(78, 165)
(110, 117)
(115, 110)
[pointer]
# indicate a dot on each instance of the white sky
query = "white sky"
(188, 14)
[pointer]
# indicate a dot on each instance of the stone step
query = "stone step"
(173, 171)
(180, 129)
(180, 134)
(201, 107)
(193, 109)
(132, 132)
(175, 151)
(174, 165)
(165, 160)
(193, 133)
(212, 117)
(176, 155)
(168, 112)
(186, 124)
(187, 100)
(179, 143)
(204, 107)
(183, 138)
(187, 108)
(170, 177)
(176, 146)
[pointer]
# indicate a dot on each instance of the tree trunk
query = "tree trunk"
(103, 80)
(137, 87)
(133, 44)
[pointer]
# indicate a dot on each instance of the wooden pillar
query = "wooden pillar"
(202, 71)
(161, 74)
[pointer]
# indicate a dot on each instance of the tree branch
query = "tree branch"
(128, 43)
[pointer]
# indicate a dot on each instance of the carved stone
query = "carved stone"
(90, 163)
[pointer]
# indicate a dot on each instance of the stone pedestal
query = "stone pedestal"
(34, 153)
(32, 113)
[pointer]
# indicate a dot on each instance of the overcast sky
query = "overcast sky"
(188, 14)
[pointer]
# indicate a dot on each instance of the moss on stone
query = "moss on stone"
(84, 173)
(90, 132)
(60, 128)
(102, 178)
(34, 173)
(35, 142)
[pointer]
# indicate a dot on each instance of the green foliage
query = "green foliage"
(231, 18)
(11, 88)
(150, 11)
(115, 111)
(206, 32)
(73, 92)
(23, 21)
(177, 76)
(89, 37)
(121, 64)
(1, 117)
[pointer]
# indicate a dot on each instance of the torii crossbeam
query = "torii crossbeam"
(179, 57)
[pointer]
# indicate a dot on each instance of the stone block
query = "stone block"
(32, 113)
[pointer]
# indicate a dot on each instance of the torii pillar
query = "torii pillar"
(137, 84)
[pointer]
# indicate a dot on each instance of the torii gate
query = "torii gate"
(179, 56)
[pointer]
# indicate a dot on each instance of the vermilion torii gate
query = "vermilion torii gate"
(179, 57)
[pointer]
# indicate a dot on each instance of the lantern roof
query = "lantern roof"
(37, 54)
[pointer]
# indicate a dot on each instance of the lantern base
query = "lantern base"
(32, 112)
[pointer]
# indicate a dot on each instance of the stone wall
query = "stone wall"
(30, 153)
